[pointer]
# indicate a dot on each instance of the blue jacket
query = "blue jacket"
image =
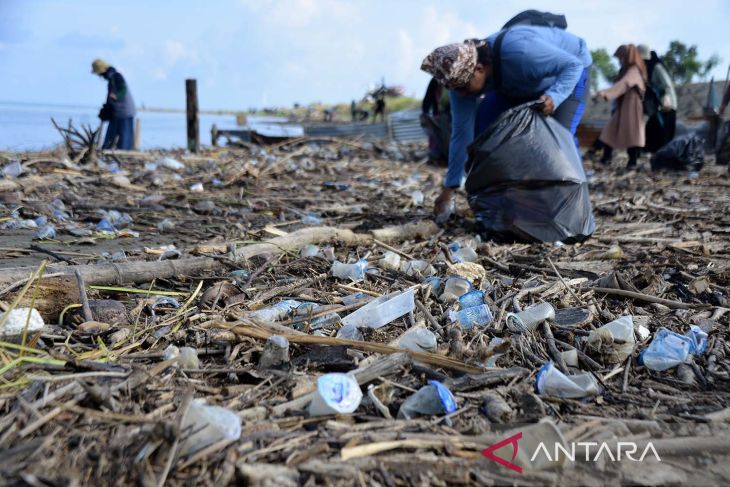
(534, 61)
(121, 103)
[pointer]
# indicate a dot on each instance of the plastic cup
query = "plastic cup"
(530, 318)
(336, 394)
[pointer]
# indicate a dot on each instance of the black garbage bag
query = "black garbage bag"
(526, 181)
(684, 153)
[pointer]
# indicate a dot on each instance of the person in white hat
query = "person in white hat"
(119, 108)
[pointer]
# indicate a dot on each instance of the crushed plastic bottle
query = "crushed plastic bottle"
(467, 318)
(418, 340)
(448, 210)
(45, 232)
(669, 349)
(390, 261)
(383, 310)
(417, 268)
(614, 340)
(471, 299)
(530, 318)
(275, 354)
(277, 312)
(204, 425)
(553, 382)
(430, 400)
(354, 272)
(336, 394)
(454, 288)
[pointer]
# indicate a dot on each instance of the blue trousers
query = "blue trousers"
(568, 114)
(121, 131)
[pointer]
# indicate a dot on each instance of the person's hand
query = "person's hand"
(443, 200)
(601, 95)
(548, 105)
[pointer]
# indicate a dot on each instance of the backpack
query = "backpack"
(528, 17)
(535, 17)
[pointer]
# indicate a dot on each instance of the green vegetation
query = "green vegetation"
(684, 65)
(603, 67)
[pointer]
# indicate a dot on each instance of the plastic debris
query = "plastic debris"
(446, 212)
(669, 349)
(615, 340)
(350, 332)
(197, 188)
(16, 319)
(277, 312)
(430, 400)
(417, 268)
(552, 382)
(454, 288)
(188, 358)
(383, 310)
(12, 170)
(530, 318)
(311, 219)
(417, 197)
(471, 299)
(418, 340)
(475, 316)
(390, 261)
(275, 354)
(46, 232)
(170, 163)
(354, 272)
(336, 394)
(309, 251)
(204, 425)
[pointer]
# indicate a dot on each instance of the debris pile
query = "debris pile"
(291, 315)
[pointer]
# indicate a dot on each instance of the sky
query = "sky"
(261, 53)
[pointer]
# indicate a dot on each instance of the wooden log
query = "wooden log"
(118, 274)
(191, 95)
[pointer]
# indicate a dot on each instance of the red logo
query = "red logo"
(489, 452)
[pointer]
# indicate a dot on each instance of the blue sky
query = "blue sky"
(253, 53)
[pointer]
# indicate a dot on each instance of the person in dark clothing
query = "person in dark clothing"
(436, 121)
(119, 110)
(379, 108)
(660, 101)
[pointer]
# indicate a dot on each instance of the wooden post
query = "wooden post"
(137, 133)
(214, 135)
(191, 92)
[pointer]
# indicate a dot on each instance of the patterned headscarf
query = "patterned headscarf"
(452, 65)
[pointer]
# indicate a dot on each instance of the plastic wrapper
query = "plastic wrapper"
(552, 382)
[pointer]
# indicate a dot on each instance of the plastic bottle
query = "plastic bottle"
(432, 399)
(530, 318)
(275, 354)
(553, 382)
(204, 425)
(604, 339)
(336, 394)
(355, 272)
(666, 350)
(418, 340)
(475, 316)
(471, 299)
(454, 288)
(276, 312)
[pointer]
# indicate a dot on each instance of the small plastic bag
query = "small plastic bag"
(552, 382)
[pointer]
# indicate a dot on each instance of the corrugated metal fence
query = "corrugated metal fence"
(400, 127)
